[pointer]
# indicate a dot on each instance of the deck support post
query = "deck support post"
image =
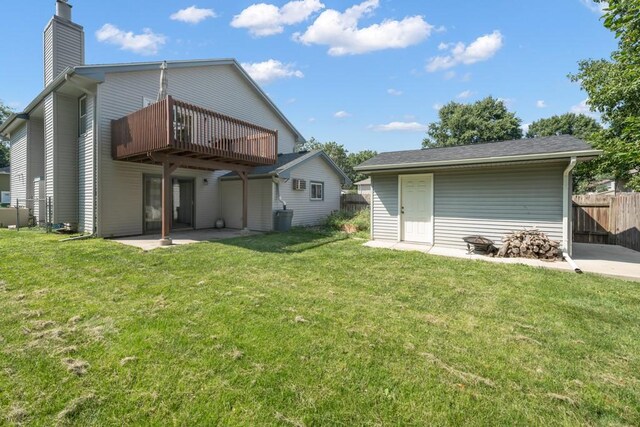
(245, 199)
(167, 170)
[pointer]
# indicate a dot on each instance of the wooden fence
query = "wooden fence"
(609, 220)
(352, 202)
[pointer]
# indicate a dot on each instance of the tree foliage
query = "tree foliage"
(485, 120)
(5, 112)
(341, 156)
(579, 125)
(613, 87)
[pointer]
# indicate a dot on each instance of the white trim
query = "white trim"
(566, 210)
(480, 160)
(400, 222)
(371, 205)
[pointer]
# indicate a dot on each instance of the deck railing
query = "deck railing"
(180, 128)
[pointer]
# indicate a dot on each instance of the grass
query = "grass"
(306, 328)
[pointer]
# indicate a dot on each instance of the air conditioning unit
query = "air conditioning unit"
(299, 184)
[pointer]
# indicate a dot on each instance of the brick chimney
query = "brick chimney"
(63, 43)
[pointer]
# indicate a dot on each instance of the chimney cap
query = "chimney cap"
(63, 9)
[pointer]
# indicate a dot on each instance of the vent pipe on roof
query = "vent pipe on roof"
(63, 9)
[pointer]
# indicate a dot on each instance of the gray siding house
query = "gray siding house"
(114, 157)
(437, 196)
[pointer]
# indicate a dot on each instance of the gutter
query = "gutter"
(481, 160)
(566, 223)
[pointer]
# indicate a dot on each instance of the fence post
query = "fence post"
(613, 233)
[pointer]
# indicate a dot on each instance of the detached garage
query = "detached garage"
(307, 182)
(437, 196)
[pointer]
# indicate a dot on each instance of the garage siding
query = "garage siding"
(494, 201)
(490, 201)
(385, 207)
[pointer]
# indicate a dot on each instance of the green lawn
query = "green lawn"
(306, 329)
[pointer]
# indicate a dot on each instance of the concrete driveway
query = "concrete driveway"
(608, 260)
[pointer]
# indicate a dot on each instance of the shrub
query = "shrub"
(349, 221)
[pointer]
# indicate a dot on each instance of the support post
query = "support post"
(245, 199)
(167, 170)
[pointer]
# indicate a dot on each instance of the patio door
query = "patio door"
(416, 208)
(182, 204)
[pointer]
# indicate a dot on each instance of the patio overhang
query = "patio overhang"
(173, 134)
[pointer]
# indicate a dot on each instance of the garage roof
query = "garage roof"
(552, 147)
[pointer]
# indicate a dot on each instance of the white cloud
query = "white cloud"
(312, 119)
(444, 46)
(193, 15)
(449, 75)
(341, 33)
(465, 94)
(394, 92)
(481, 49)
(291, 101)
(466, 77)
(595, 7)
(401, 127)
(264, 19)
(582, 108)
(508, 102)
(268, 71)
(341, 114)
(147, 43)
(541, 104)
(525, 127)
(437, 106)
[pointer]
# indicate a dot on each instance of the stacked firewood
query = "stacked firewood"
(529, 244)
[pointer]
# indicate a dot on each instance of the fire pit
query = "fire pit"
(480, 244)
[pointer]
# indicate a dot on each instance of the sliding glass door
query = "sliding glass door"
(182, 196)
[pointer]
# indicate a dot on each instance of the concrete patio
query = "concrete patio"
(152, 241)
(609, 260)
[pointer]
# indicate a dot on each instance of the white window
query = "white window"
(82, 116)
(317, 190)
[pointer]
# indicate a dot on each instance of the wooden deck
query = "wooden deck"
(175, 128)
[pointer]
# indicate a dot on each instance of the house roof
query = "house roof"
(286, 162)
(96, 73)
(552, 147)
(5, 170)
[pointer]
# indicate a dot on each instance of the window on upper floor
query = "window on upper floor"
(82, 116)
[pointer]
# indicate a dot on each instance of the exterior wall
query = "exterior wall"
(260, 204)
(63, 47)
(61, 156)
(36, 149)
(19, 168)
(66, 160)
(86, 172)
(305, 210)
(384, 207)
(490, 201)
(220, 88)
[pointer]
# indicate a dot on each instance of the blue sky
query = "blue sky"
(368, 74)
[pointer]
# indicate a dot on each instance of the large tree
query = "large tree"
(5, 112)
(579, 125)
(341, 156)
(613, 87)
(485, 120)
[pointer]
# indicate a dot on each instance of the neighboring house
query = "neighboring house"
(5, 185)
(97, 147)
(437, 196)
(364, 186)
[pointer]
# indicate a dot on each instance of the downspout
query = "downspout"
(566, 211)
(276, 181)
(94, 232)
